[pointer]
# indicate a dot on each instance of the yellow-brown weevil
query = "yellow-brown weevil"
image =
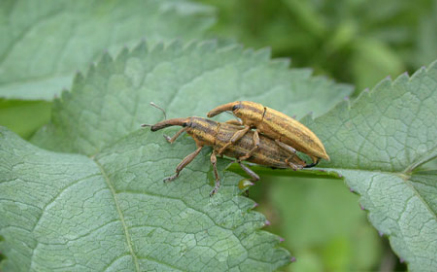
(288, 133)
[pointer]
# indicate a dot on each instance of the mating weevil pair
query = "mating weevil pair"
(273, 143)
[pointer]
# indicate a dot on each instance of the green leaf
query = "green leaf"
(44, 43)
(104, 206)
(377, 143)
(70, 212)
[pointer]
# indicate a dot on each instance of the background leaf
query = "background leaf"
(44, 43)
(114, 195)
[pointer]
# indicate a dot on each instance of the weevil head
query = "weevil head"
(202, 130)
(250, 113)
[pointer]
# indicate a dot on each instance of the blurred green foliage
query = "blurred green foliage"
(353, 41)
(24, 117)
(328, 225)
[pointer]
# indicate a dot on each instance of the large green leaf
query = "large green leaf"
(104, 206)
(112, 212)
(44, 42)
(377, 143)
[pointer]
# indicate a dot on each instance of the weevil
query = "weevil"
(207, 132)
(288, 133)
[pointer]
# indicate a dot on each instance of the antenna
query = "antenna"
(158, 107)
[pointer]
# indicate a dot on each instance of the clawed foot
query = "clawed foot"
(214, 191)
(168, 138)
(169, 179)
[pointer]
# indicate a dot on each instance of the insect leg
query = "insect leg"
(248, 171)
(293, 166)
(237, 136)
(256, 146)
(312, 164)
(286, 147)
(234, 122)
(184, 163)
(172, 139)
(217, 178)
(292, 152)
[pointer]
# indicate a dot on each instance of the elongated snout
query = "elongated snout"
(222, 108)
(170, 122)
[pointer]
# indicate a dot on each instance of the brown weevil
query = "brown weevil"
(207, 132)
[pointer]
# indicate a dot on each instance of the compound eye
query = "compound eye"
(184, 124)
(236, 107)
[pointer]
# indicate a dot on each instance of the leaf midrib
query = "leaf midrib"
(120, 214)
